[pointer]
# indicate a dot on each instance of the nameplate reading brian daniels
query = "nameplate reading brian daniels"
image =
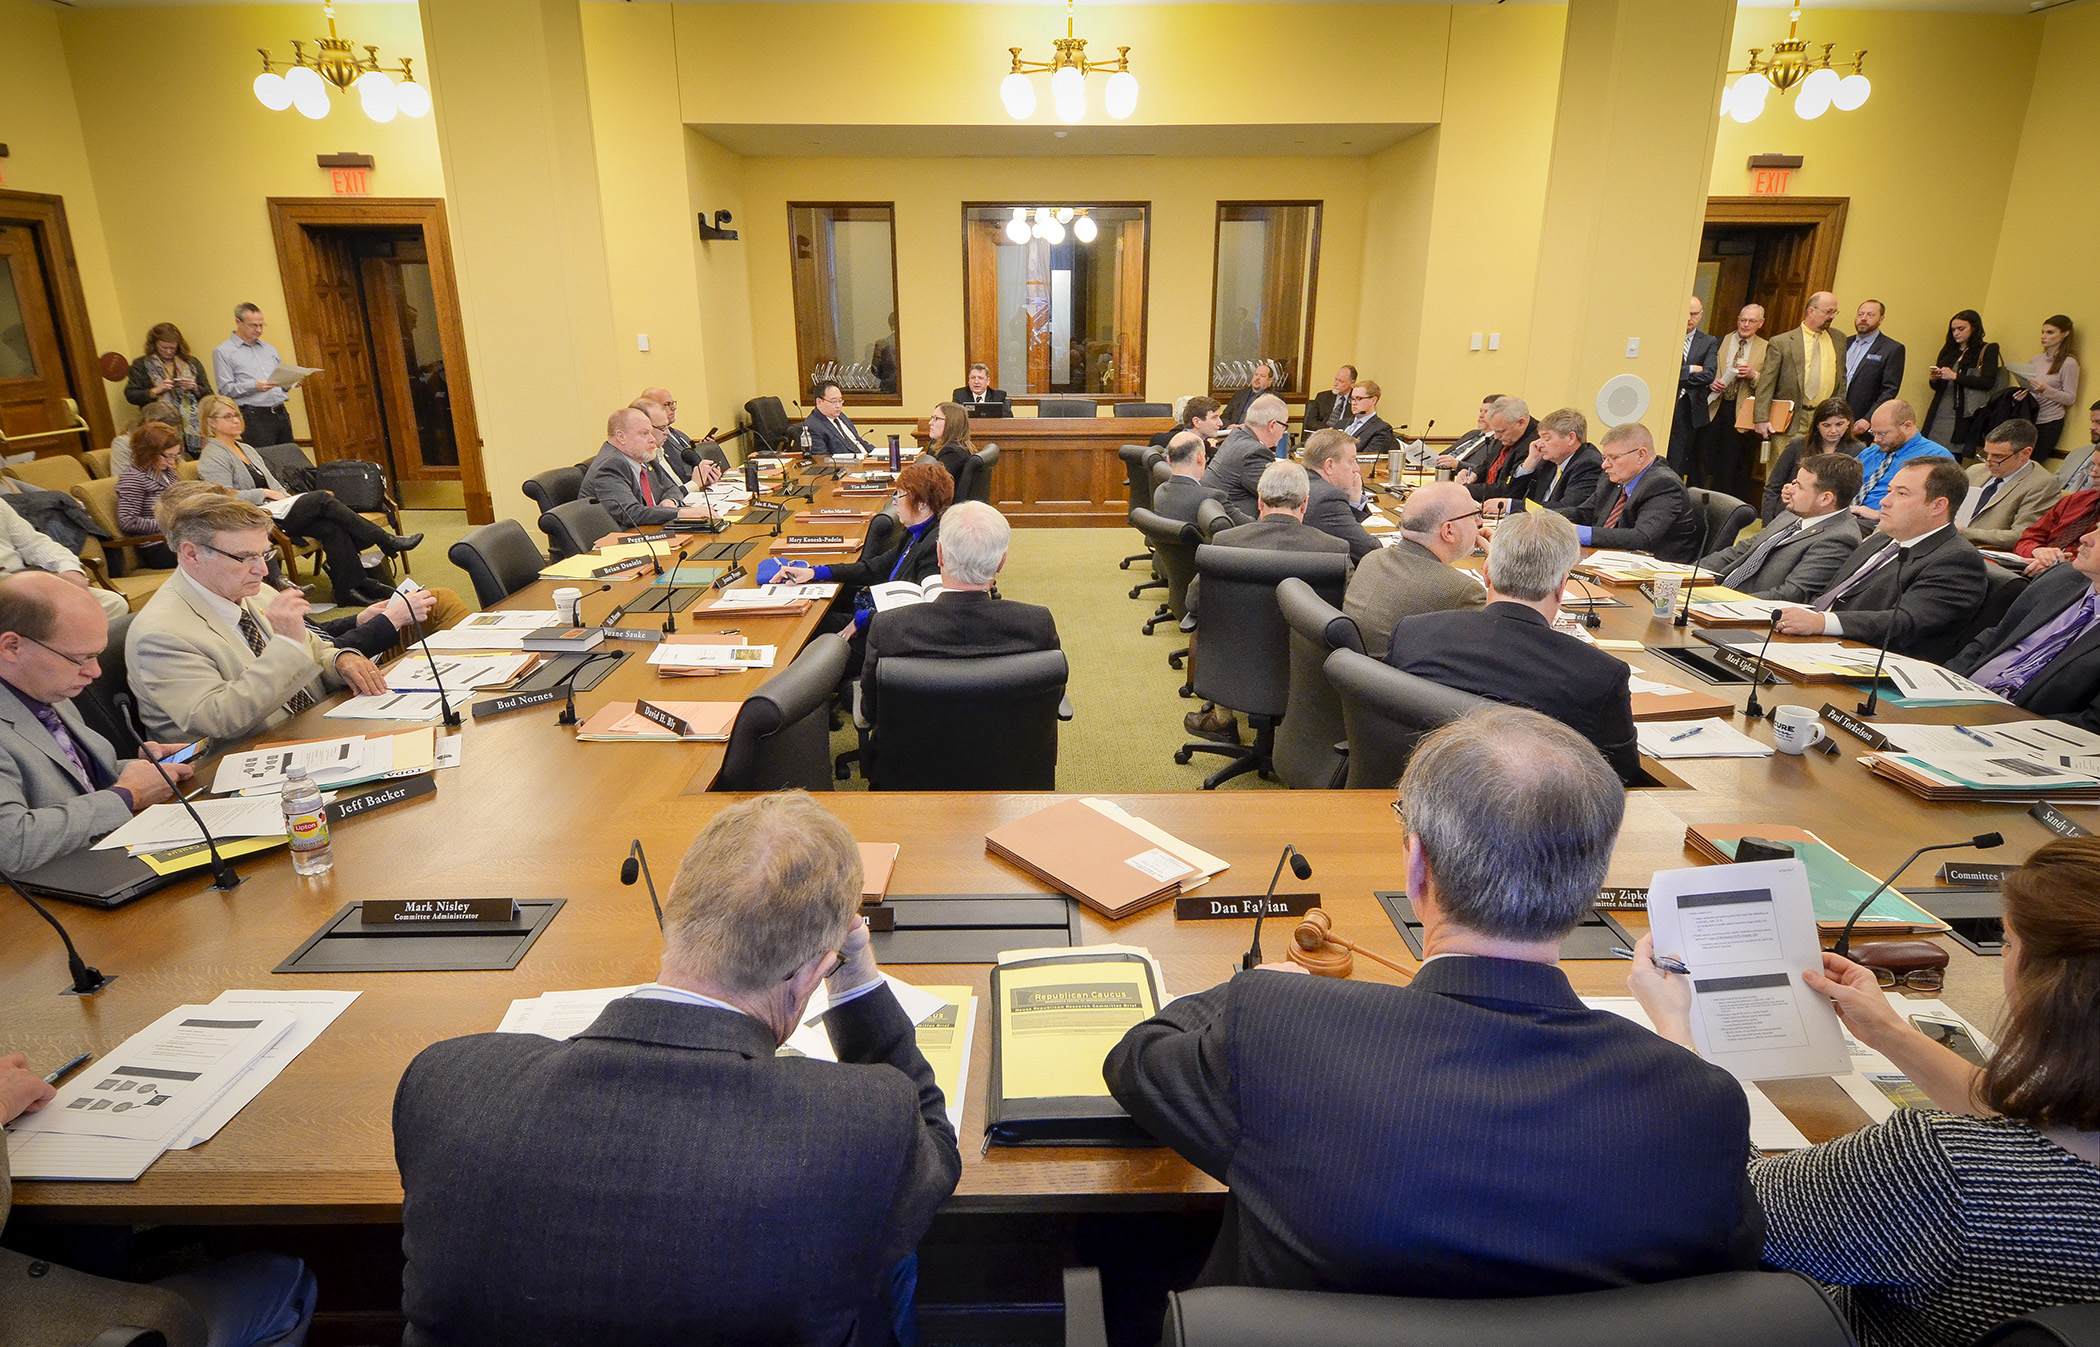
(418, 911)
(1197, 907)
(496, 706)
(377, 797)
(600, 572)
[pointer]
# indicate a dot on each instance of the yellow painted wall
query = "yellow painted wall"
(715, 181)
(1399, 188)
(1926, 162)
(183, 156)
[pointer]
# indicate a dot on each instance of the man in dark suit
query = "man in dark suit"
(1471, 449)
(1917, 583)
(1337, 504)
(1800, 552)
(681, 460)
(1509, 651)
(1873, 365)
(1695, 378)
(662, 1176)
(1284, 491)
(1258, 384)
(831, 432)
(1364, 424)
(1639, 504)
(963, 621)
(1513, 431)
(979, 398)
(1331, 407)
(1440, 1139)
(626, 478)
(679, 447)
(1179, 495)
(1562, 468)
(1246, 451)
(1205, 416)
(2045, 653)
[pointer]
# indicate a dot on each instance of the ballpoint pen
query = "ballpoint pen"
(1696, 729)
(56, 1076)
(1662, 961)
(1983, 739)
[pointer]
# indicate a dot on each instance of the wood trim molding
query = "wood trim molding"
(1312, 294)
(46, 216)
(1826, 214)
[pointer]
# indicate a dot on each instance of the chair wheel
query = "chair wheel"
(844, 771)
(1181, 756)
(1135, 592)
(1124, 564)
(1185, 690)
(1173, 660)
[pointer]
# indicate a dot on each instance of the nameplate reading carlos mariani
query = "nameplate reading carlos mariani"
(418, 911)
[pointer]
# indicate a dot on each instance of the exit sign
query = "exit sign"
(358, 181)
(1772, 181)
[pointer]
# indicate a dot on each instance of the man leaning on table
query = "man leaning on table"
(61, 787)
(1639, 504)
(662, 1176)
(2044, 655)
(1800, 552)
(1442, 1139)
(216, 653)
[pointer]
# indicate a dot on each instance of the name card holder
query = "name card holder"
(614, 568)
(446, 911)
(651, 635)
(516, 701)
(1197, 907)
(1856, 727)
(2056, 821)
(377, 797)
(649, 710)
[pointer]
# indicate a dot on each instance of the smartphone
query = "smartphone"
(1951, 1034)
(185, 753)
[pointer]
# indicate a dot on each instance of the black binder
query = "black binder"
(94, 878)
(1083, 1120)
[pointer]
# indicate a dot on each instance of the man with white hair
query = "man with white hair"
(962, 621)
(1439, 524)
(1509, 651)
(1510, 424)
(626, 478)
(1246, 450)
(704, 463)
(711, 1189)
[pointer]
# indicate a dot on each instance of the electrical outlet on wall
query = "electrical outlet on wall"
(1476, 342)
(1633, 348)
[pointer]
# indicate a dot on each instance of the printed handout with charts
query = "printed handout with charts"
(1748, 932)
(506, 630)
(164, 1076)
(327, 761)
(160, 826)
(413, 673)
(712, 656)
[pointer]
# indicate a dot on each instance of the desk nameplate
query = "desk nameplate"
(1227, 907)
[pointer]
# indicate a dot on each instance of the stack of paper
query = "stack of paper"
(1697, 739)
(767, 596)
(161, 826)
(416, 673)
(1629, 568)
(392, 706)
(617, 722)
(1982, 774)
(1770, 1130)
(506, 630)
(1206, 865)
(331, 763)
(734, 657)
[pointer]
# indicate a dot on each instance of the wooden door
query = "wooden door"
(33, 388)
(400, 306)
(342, 400)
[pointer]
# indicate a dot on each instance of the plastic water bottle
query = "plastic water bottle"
(306, 824)
(807, 443)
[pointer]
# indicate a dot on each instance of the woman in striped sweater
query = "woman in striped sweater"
(155, 450)
(1938, 1224)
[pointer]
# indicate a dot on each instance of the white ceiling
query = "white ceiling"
(1039, 141)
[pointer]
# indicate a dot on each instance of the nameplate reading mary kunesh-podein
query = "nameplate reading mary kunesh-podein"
(426, 911)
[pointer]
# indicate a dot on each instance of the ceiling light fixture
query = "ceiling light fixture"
(1789, 68)
(1068, 70)
(305, 82)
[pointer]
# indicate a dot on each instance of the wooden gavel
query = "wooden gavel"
(1319, 951)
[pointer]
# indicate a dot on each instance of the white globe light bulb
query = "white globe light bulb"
(1064, 215)
(1753, 80)
(1071, 110)
(1851, 93)
(1122, 94)
(1017, 229)
(1018, 93)
(271, 93)
(1042, 216)
(1748, 102)
(1810, 104)
(413, 99)
(1053, 233)
(1822, 83)
(1067, 84)
(1021, 213)
(312, 105)
(377, 93)
(302, 79)
(1084, 229)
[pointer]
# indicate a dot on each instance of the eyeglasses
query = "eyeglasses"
(1462, 518)
(77, 661)
(245, 558)
(1917, 979)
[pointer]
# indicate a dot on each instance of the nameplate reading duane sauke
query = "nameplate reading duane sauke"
(496, 706)
(418, 911)
(1197, 907)
(1853, 725)
(379, 796)
(633, 634)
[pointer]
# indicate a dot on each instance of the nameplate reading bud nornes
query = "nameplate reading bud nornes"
(1197, 907)
(614, 568)
(633, 634)
(496, 706)
(423, 911)
(1856, 727)
(378, 797)
(649, 710)
(1969, 872)
(1622, 900)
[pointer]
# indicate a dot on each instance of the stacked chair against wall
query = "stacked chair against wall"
(1307, 756)
(1386, 712)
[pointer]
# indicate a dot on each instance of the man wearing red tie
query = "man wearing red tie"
(1641, 505)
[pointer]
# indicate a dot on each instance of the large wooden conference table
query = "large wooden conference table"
(532, 814)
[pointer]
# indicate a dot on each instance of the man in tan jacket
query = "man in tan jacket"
(1724, 442)
(1803, 366)
(2008, 490)
(1439, 524)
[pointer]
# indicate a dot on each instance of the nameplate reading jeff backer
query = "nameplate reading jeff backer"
(378, 797)
(1249, 905)
(418, 911)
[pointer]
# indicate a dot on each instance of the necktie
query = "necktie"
(1749, 564)
(1815, 363)
(48, 717)
(252, 632)
(648, 490)
(1853, 581)
(1983, 498)
(1618, 510)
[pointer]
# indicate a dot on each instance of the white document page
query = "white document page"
(1916, 678)
(265, 767)
(160, 826)
(560, 1015)
(713, 656)
(1770, 1130)
(506, 630)
(54, 1155)
(811, 1039)
(412, 673)
(1697, 739)
(316, 1011)
(291, 376)
(389, 706)
(278, 509)
(767, 595)
(1748, 932)
(164, 1075)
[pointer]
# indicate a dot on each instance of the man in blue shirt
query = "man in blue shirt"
(241, 366)
(1896, 442)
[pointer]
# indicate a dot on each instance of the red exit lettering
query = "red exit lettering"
(358, 181)
(1772, 181)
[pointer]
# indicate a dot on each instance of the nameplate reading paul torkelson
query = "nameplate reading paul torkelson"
(419, 911)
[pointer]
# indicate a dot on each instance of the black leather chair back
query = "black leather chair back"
(1086, 407)
(1211, 519)
(1242, 650)
(290, 465)
(2005, 586)
(1157, 473)
(1173, 545)
(556, 486)
(106, 704)
(968, 724)
(782, 736)
(573, 526)
(1312, 721)
(769, 424)
(1386, 712)
(2057, 1326)
(883, 528)
(1721, 515)
(1143, 409)
(499, 558)
(1725, 1309)
(976, 481)
(1138, 475)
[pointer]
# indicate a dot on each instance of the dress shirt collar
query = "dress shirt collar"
(219, 606)
(1360, 422)
(1634, 483)
(1909, 543)
(238, 340)
(1808, 522)
(657, 991)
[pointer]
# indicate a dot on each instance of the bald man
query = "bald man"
(1803, 366)
(1439, 524)
(625, 478)
(679, 446)
(61, 788)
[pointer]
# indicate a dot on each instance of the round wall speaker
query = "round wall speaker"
(115, 367)
(1622, 400)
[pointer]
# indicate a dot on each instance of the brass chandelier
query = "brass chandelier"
(1790, 67)
(307, 79)
(1068, 70)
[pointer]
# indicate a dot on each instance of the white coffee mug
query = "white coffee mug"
(1795, 729)
(568, 606)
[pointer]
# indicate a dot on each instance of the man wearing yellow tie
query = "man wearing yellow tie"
(1803, 366)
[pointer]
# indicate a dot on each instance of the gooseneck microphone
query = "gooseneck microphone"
(568, 714)
(1982, 842)
(1691, 582)
(1589, 606)
(1299, 867)
(87, 979)
(1755, 709)
(450, 716)
(224, 877)
(637, 862)
(671, 598)
(1873, 701)
(654, 561)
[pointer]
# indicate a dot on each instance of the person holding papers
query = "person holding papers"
(1800, 551)
(1917, 583)
(662, 1176)
(1472, 449)
(1449, 1138)
(341, 531)
(1509, 423)
(1639, 504)
(61, 787)
(241, 367)
(216, 653)
(2045, 653)
(1940, 1223)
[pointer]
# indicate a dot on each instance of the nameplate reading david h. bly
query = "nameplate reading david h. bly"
(378, 797)
(496, 706)
(1227, 907)
(417, 911)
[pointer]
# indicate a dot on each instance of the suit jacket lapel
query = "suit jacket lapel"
(2085, 647)
(16, 713)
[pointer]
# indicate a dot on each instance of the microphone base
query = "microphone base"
(226, 879)
(450, 720)
(1867, 708)
(100, 980)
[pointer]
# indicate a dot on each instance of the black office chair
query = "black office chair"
(556, 486)
(1723, 1309)
(1722, 515)
(2005, 586)
(968, 724)
(1173, 545)
(1082, 407)
(1142, 409)
(2059, 1326)
(782, 736)
(770, 428)
(1306, 755)
(499, 558)
(573, 526)
(1386, 712)
(1241, 653)
(1153, 464)
(1138, 484)
(976, 480)
(106, 703)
